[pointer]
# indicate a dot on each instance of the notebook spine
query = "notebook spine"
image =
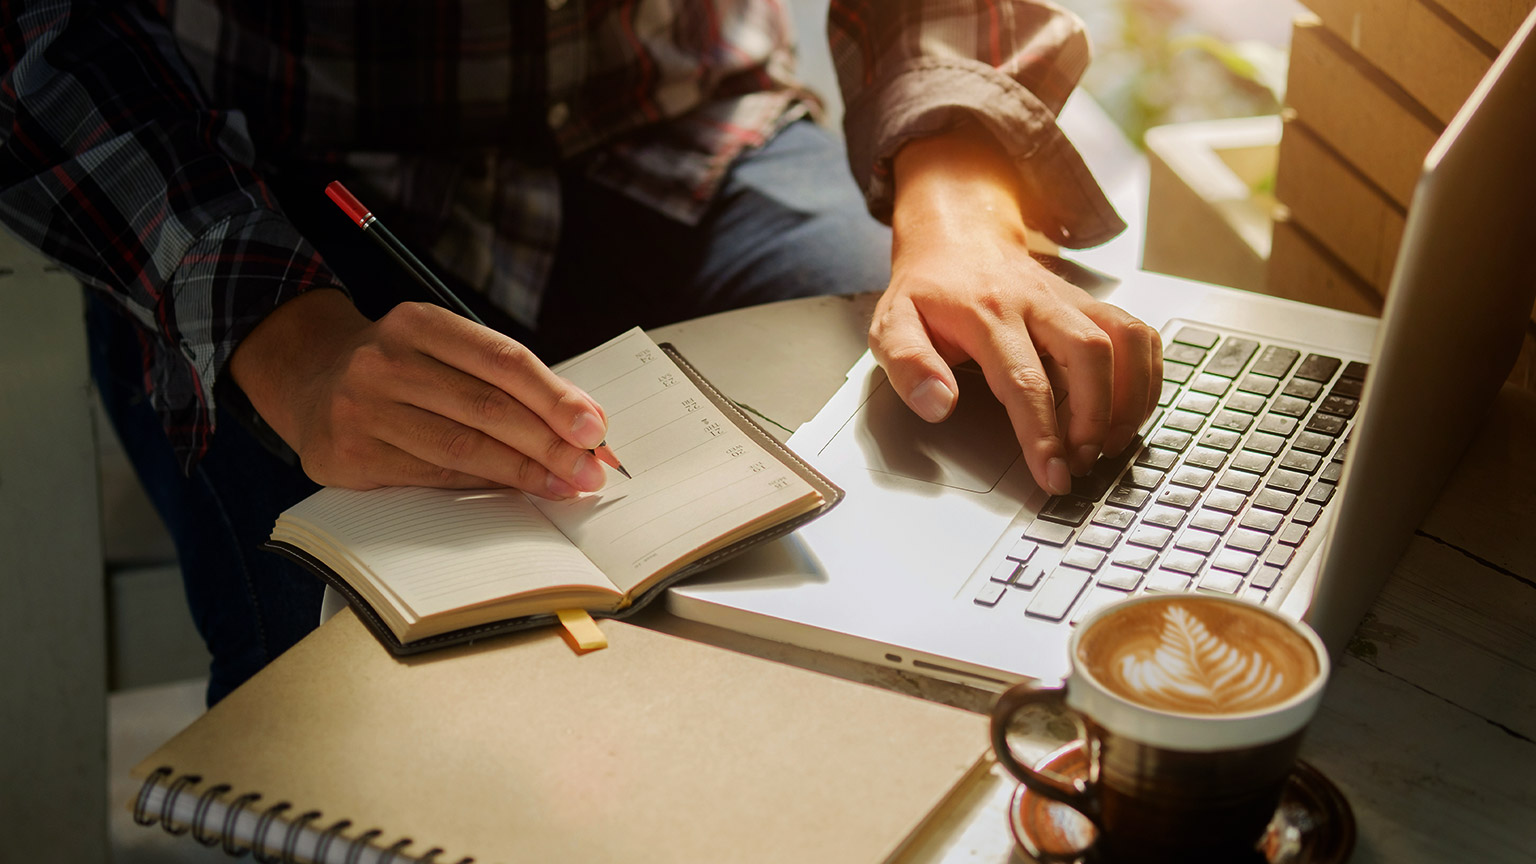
(278, 837)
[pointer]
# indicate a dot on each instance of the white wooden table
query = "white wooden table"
(1429, 725)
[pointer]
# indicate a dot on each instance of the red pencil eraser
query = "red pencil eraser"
(349, 205)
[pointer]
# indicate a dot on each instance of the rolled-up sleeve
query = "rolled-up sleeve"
(112, 165)
(914, 68)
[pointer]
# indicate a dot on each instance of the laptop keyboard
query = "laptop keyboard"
(1227, 479)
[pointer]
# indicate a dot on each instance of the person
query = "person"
(575, 168)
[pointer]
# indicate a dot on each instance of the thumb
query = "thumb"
(919, 375)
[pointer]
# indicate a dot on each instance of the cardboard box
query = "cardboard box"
(1338, 206)
(1492, 20)
(1433, 60)
(1366, 118)
(1301, 269)
(1209, 200)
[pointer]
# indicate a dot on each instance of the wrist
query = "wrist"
(278, 362)
(955, 183)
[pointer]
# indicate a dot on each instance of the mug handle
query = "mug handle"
(1074, 792)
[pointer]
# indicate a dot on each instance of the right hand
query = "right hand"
(421, 397)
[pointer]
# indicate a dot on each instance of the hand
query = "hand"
(422, 397)
(963, 286)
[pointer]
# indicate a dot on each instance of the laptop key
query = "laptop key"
(1307, 513)
(1028, 577)
(1114, 517)
(1278, 424)
(1195, 540)
(1170, 390)
(1178, 352)
(1293, 535)
(1096, 599)
(1290, 406)
(1263, 385)
(1233, 420)
(1083, 558)
(990, 594)
(1326, 424)
(1181, 497)
(1136, 559)
(1120, 578)
(1169, 439)
(1098, 537)
(1220, 582)
(1248, 403)
(1180, 561)
(1267, 521)
(1142, 478)
(1318, 367)
(1303, 389)
(1211, 520)
(1197, 337)
(1022, 550)
(1205, 457)
(1164, 516)
(1280, 556)
(1200, 403)
(1178, 373)
(1054, 599)
(1235, 561)
(1248, 460)
(1232, 356)
(1049, 533)
(1320, 493)
(1248, 540)
(1355, 370)
(1221, 439)
(1332, 473)
(1339, 406)
(1215, 385)
(1238, 481)
(1276, 500)
(1347, 388)
(1066, 509)
(1263, 442)
(1267, 577)
(1150, 536)
(1296, 460)
(1157, 457)
(1225, 500)
(1311, 442)
(1184, 421)
(1275, 361)
(1191, 476)
(1128, 497)
(1290, 481)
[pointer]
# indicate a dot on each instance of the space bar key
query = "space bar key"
(1054, 599)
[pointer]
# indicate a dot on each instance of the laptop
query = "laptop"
(1294, 451)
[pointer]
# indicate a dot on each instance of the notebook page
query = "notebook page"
(443, 549)
(696, 476)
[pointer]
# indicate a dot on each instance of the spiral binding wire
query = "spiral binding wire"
(260, 844)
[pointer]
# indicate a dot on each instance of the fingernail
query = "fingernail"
(1086, 456)
(1058, 477)
(559, 488)
(933, 400)
(588, 430)
(589, 474)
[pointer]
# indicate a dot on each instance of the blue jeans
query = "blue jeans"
(788, 222)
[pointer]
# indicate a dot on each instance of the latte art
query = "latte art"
(1197, 657)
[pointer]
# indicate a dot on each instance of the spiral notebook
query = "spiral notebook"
(658, 749)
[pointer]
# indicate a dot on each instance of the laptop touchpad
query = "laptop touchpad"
(971, 450)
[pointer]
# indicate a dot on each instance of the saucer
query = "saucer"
(1312, 825)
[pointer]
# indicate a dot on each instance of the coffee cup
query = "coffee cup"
(1190, 710)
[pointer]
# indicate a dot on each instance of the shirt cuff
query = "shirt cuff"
(929, 96)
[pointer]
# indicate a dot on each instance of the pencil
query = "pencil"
(413, 265)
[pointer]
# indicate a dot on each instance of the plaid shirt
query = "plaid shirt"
(133, 136)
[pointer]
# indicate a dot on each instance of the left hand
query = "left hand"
(964, 287)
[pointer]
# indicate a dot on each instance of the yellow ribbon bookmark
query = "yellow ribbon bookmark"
(581, 632)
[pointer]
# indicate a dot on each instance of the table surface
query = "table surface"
(1429, 723)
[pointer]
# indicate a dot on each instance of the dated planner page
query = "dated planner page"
(435, 550)
(698, 482)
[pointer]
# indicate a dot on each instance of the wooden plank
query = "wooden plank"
(1492, 20)
(1358, 111)
(52, 621)
(1435, 62)
(1428, 781)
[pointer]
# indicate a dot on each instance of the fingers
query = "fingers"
(1086, 355)
(902, 346)
(1138, 373)
(507, 365)
(1018, 378)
